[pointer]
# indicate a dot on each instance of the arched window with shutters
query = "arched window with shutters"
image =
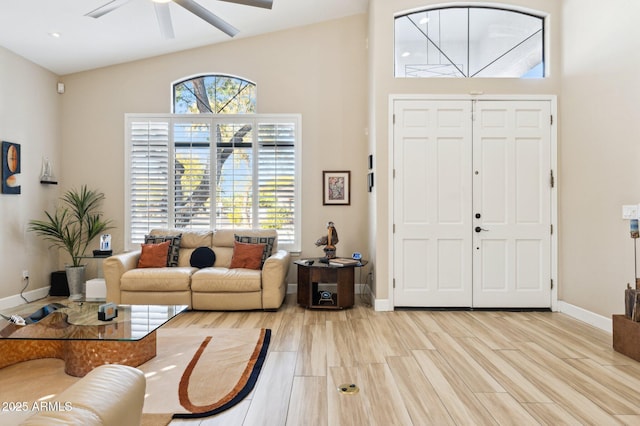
(214, 163)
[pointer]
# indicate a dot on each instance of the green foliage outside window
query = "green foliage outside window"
(215, 94)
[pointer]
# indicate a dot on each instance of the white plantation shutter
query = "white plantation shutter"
(276, 179)
(178, 164)
(148, 177)
(234, 190)
(192, 175)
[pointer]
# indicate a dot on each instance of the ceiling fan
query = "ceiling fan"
(164, 15)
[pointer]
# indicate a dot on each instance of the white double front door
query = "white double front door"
(472, 203)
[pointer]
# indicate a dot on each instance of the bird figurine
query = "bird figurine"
(329, 241)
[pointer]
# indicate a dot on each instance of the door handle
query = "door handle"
(479, 229)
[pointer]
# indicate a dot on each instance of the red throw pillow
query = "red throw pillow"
(248, 256)
(154, 255)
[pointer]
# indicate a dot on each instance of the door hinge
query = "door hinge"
(394, 119)
(552, 181)
(394, 173)
(552, 229)
(552, 284)
(394, 283)
(551, 121)
(394, 228)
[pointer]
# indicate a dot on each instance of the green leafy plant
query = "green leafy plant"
(75, 223)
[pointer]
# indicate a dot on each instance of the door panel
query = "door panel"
(432, 203)
(449, 169)
(512, 162)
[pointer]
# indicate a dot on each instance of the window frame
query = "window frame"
(213, 120)
(506, 8)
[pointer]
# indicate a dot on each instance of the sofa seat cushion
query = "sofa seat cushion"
(224, 280)
(157, 279)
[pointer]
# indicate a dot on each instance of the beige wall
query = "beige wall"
(324, 72)
(319, 71)
(384, 84)
(599, 151)
(29, 116)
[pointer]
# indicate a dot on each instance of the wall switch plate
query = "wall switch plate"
(630, 211)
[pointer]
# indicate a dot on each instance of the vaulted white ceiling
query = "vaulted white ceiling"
(131, 32)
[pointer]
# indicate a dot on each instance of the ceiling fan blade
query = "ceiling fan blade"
(164, 19)
(207, 16)
(266, 4)
(106, 8)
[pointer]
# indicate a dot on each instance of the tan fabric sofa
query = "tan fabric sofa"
(109, 395)
(211, 288)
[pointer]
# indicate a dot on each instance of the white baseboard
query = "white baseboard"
(12, 301)
(583, 315)
(573, 311)
(382, 305)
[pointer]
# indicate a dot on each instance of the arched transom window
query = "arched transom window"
(469, 42)
(214, 94)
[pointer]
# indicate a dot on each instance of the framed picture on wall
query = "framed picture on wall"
(336, 188)
(10, 168)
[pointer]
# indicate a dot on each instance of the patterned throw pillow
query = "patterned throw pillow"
(267, 241)
(174, 246)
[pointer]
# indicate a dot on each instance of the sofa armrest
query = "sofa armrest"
(109, 395)
(114, 267)
(274, 279)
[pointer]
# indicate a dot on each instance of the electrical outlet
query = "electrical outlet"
(25, 274)
(630, 211)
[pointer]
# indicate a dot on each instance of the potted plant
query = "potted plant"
(75, 223)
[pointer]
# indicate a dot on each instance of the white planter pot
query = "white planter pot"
(76, 281)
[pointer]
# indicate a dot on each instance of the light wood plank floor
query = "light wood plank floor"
(418, 367)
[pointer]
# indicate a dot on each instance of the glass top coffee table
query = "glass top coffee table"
(72, 332)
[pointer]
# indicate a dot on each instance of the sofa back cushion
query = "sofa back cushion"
(221, 242)
(224, 239)
(190, 239)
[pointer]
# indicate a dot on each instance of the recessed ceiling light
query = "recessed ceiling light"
(161, 1)
(55, 34)
(405, 54)
(424, 20)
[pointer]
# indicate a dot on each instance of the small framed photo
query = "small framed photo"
(336, 188)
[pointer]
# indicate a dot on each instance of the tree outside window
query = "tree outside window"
(228, 171)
